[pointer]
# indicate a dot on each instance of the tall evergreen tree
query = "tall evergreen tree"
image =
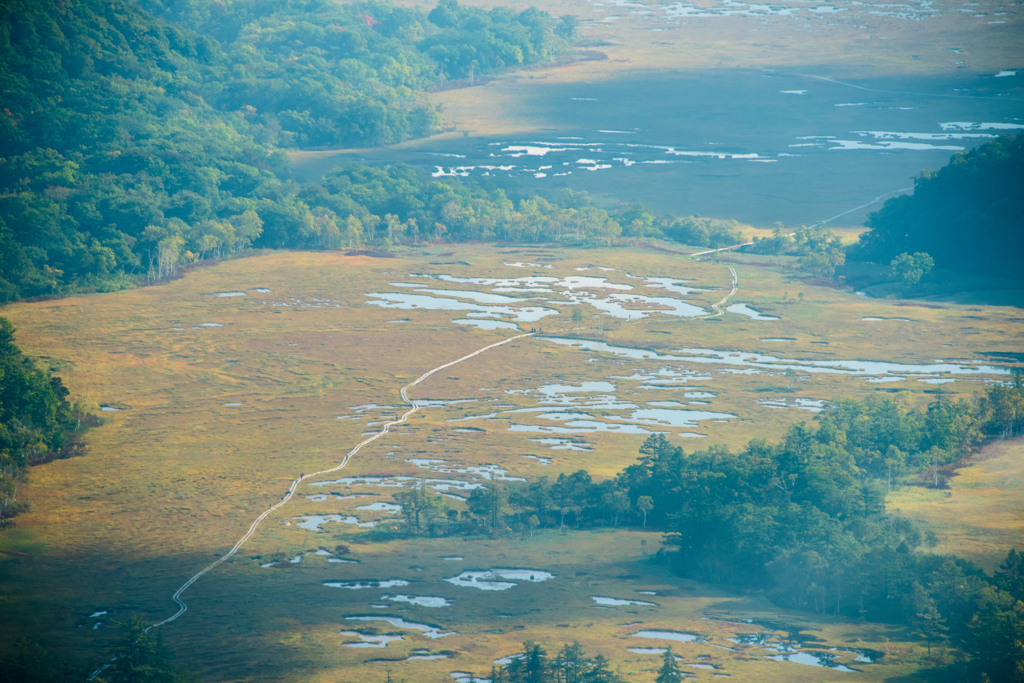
(669, 671)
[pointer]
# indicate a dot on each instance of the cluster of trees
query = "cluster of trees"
(105, 135)
(908, 269)
(37, 422)
(857, 452)
(819, 250)
(570, 665)
(395, 205)
(132, 143)
(637, 222)
(967, 215)
(137, 656)
(573, 500)
(803, 522)
(322, 73)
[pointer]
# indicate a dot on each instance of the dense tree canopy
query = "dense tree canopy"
(968, 216)
(109, 149)
(140, 137)
(37, 421)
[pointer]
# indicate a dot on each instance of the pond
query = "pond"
(369, 641)
(669, 635)
(812, 659)
(486, 580)
(420, 600)
(313, 522)
(432, 632)
(753, 314)
(616, 602)
(357, 585)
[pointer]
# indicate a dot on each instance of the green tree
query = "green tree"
(1010, 575)
(927, 622)
(420, 506)
(490, 503)
(600, 672)
(531, 666)
(669, 671)
(37, 421)
(910, 268)
(140, 656)
(995, 636)
(577, 317)
(571, 664)
(821, 251)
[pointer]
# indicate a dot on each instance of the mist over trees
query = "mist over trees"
(968, 215)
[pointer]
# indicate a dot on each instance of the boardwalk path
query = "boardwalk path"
(182, 607)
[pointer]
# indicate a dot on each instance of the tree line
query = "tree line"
(570, 665)
(844, 464)
(817, 249)
(37, 422)
(802, 519)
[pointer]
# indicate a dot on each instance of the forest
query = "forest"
(966, 216)
(132, 144)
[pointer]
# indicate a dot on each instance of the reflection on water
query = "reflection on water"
(420, 600)
(811, 658)
(617, 602)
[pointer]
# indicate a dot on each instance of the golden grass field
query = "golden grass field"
(983, 512)
(176, 475)
(838, 45)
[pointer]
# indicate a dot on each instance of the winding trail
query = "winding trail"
(735, 288)
(182, 607)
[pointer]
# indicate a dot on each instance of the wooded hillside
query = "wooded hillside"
(968, 216)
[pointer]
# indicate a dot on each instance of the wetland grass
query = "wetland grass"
(176, 477)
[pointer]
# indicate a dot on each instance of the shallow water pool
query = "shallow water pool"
(485, 580)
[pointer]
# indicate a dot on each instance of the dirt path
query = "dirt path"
(182, 607)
